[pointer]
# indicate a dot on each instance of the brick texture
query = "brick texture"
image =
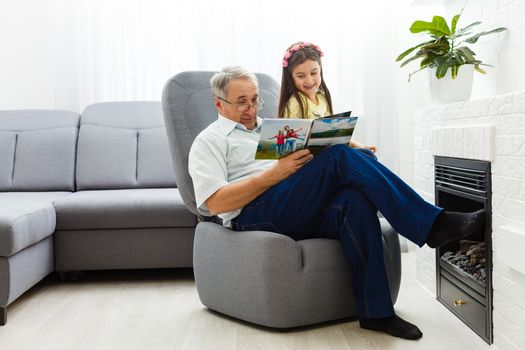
(489, 129)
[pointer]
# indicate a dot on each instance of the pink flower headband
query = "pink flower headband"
(298, 47)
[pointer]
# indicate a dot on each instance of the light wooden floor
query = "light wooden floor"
(161, 310)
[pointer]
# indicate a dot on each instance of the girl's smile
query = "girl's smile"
(307, 78)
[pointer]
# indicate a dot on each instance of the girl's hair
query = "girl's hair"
(296, 54)
(219, 82)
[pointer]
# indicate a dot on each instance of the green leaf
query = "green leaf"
(404, 54)
(454, 71)
(455, 19)
(464, 31)
(443, 64)
(482, 71)
(427, 61)
(454, 23)
(467, 53)
(474, 39)
(435, 49)
(470, 26)
(415, 57)
(438, 26)
(438, 50)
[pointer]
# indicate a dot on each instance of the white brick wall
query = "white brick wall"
(497, 126)
(505, 51)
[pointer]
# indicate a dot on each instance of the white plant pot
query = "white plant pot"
(448, 90)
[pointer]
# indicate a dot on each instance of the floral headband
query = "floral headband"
(289, 53)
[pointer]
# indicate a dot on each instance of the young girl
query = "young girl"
(280, 143)
(304, 93)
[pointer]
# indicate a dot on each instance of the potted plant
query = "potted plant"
(447, 48)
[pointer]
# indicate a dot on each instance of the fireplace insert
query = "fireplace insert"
(464, 267)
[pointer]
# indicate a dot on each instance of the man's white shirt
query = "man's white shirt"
(222, 154)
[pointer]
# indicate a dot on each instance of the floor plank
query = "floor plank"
(160, 309)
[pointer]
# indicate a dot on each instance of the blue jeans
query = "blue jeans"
(337, 195)
(279, 150)
(367, 152)
(289, 146)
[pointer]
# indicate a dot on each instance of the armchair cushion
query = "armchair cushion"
(271, 280)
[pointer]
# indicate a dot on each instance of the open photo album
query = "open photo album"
(280, 137)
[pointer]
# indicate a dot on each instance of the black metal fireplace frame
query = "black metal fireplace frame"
(469, 300)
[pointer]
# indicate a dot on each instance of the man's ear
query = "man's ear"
(218, 105)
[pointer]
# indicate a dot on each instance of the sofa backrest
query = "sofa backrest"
(37, 150)
(123, 145)
(187, 103)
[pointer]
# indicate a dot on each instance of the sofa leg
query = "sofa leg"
(69, 276)
(62, 276)
(3, 315)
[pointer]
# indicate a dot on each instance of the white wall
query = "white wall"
(491, 129)
(490, 100)
(52, 56)
(505, 51)
(67, 54)
(411, 95)
(27, 55)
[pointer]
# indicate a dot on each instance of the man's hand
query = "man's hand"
(290, 164)
(237, 195)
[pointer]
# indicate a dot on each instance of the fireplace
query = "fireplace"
(464, 267)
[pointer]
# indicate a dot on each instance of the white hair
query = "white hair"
(219, 82)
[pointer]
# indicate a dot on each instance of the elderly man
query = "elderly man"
(336, 195)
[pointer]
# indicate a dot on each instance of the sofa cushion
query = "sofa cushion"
(126, 143)
(24, 223)
(33, 196)
(120, 209)
(37, 150)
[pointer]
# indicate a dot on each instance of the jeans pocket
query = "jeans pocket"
(265, 226)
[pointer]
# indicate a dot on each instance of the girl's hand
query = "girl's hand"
(356, 144)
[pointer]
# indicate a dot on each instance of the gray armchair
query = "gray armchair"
(260, 277)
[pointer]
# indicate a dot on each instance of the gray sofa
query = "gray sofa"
(257, 276)
(87, 192)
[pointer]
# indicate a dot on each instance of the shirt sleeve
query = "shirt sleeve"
(293, 109)
(207, 168)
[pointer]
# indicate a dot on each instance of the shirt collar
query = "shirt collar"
(227, 125)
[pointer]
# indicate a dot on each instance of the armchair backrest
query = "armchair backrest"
(187, 103)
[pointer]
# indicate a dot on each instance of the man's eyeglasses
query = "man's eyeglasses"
(243, 107)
